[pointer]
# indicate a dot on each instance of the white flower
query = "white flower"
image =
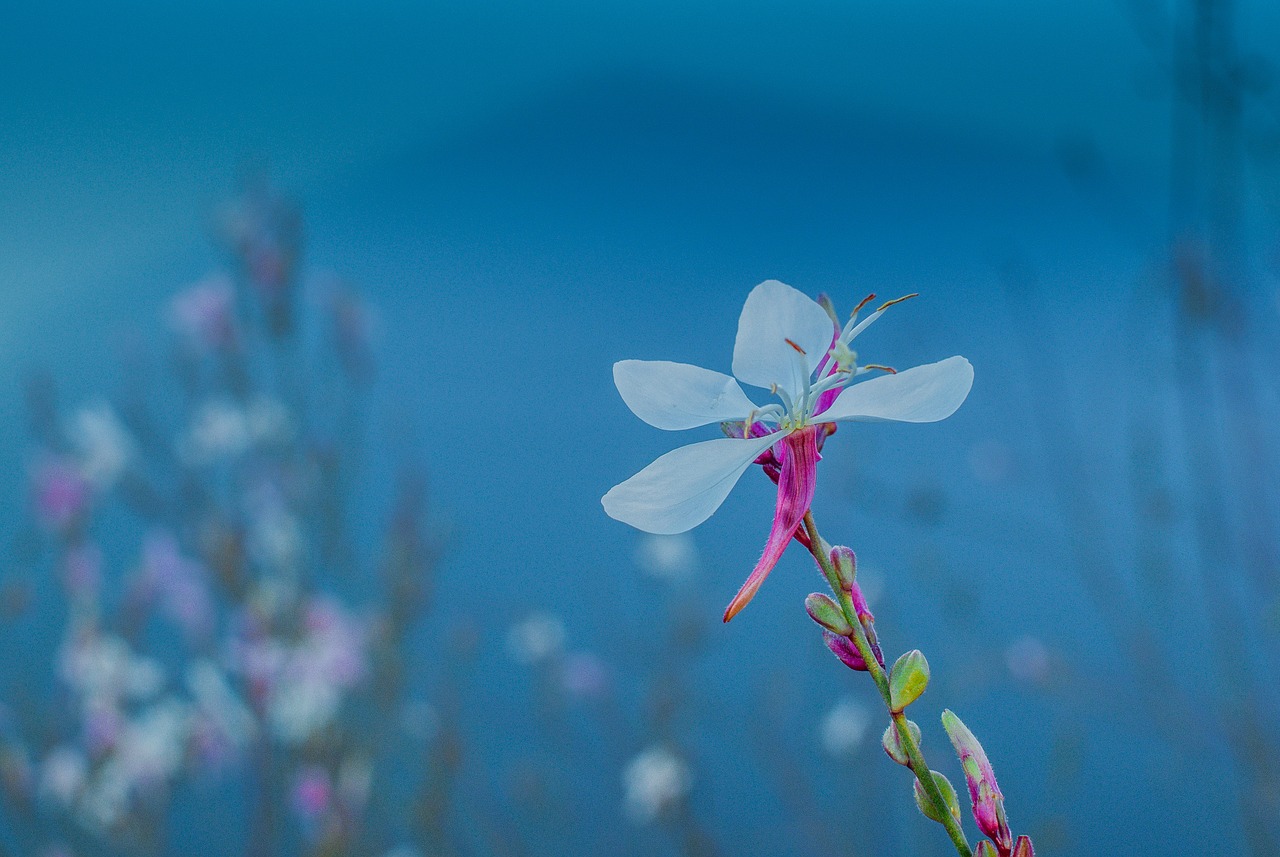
(215, 699)
(784, 338)
(537, 638)
(103, 445)
(654, 781)
(62, 775)
(670, 557)
(1028, 660)
(790, 345)
(219, 430)
(844, 727)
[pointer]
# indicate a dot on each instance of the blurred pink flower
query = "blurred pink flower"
(584, 675)
(176, 583)
(312, 793)
(204, 313)
(61, 492)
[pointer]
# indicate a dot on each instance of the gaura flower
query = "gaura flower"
(792, 346)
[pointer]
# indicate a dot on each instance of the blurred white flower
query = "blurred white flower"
(103, 445)
(221, 429)
(653, 781)
(844, 727)
(672, 557)
(103, 670)
(62, 775)
(304, 681)
(219, 704)
(538, 637)
(217, 431)
(1028, 660)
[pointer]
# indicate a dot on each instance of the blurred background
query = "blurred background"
(305, 401)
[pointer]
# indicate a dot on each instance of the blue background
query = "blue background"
(530, 191)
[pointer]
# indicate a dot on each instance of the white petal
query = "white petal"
(676, 396)
(682, 488)
(923, 394)
(775, 312)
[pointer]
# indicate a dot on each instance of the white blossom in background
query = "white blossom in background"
(845, 727)
(62, 775)
(218, 706)
(149, 753)
(538, 637)
(304, 682)
(222, 430)
(276, 539)
(104, 671)
(1028, 660)
(218, 431)
(103, 446)
(654, 781)
(667, 557)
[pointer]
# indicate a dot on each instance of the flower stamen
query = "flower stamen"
(888, 304)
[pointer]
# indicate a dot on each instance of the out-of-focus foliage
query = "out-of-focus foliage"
(224, 631)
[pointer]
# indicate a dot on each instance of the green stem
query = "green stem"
(859, 637)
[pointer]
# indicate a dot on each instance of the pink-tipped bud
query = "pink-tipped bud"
(988, 802)
(828, 614)
(985, 849)
(1022, 848)
(846, 566)
(843, 648)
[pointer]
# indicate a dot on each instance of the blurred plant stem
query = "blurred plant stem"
(871, 656)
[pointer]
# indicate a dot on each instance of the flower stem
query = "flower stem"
(919, 767)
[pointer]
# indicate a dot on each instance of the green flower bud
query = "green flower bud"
(907, 680)
(828, 614)
(948, 794)
(893, 744)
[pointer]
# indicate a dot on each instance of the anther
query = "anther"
(796, 347)
(888, 369)
(888, 304)
(868, 299)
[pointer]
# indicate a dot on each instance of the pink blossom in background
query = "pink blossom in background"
(175, 583)
(61, 492)
(312, 793)
(204, 314)
(584, 675)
